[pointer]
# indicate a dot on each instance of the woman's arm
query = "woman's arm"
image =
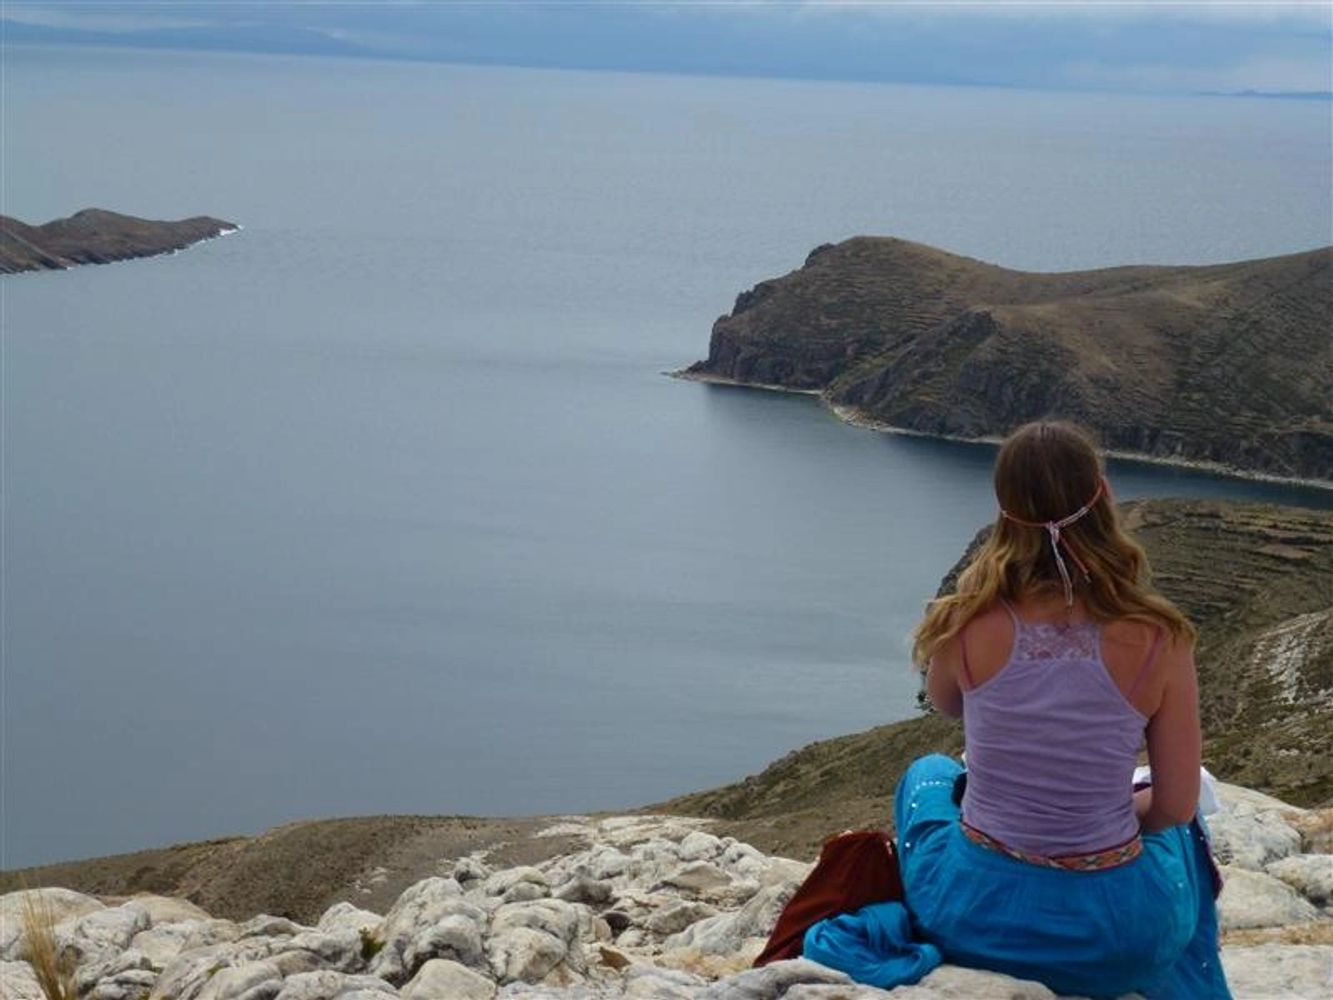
(1174, 746)
(942, 685)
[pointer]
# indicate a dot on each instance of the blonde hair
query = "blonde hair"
(1044, 472)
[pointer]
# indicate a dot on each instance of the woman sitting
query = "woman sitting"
(1061, 660)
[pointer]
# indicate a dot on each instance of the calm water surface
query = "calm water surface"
(383, 504)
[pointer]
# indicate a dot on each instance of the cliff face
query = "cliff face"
(1230, 364)
(95, 236)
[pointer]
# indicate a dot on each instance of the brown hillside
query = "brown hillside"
(95, 236)
(1229, 364)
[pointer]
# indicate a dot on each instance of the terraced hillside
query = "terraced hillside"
(1229, 364)
(1258, 582)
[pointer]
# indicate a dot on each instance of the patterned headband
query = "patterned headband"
(1053, 529)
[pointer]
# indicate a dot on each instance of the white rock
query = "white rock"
(468, 870)
(1251, 829)
(339, 950)
(607, 862)
(169, 909)
(1254, 899)
(952, 982)
(163, 943)
(266, 925)
(725, 933)
(1309, 874)
(649, 982)
(132, 984)
(824, 991)
(524, 954)
(699, 846)
(1280, 971)
(101, 935)
(554, 916)
(455, 938)
(420, 907)
(502, 881)
(675, 918)
(699, 876)
(327, 984)
(55, 905)
(19, 982)
(239, 980)
(346, 917)
(772, 981)
(441, 979)
(204, 933)
(188, 973)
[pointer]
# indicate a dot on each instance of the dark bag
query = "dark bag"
(854, 870)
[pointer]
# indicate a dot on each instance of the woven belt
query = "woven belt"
(1112, 857)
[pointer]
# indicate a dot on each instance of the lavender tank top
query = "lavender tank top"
(1051, 746)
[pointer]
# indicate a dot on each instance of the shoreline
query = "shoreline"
(856, 418)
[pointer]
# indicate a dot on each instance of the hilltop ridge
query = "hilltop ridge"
(1229, 365)
(96, 236)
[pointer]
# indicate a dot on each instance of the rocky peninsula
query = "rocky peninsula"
(675, 900)
(96, 236)
(1227, 366)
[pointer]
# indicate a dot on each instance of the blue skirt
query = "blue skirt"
(1148, 926)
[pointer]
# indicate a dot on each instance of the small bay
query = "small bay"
(384, 505)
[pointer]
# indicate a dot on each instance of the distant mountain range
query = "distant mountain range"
(96, 236)
(1228, 365)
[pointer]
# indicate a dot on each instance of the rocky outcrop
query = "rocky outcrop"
(1229, 364)
(652, 906)
(96, 236)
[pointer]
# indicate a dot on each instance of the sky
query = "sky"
(1191, 46)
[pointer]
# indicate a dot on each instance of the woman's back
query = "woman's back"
(1054, 722)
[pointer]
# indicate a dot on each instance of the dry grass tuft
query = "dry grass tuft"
(1316, 829)
(56, 977)
(1315, 932)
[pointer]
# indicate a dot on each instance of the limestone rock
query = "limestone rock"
(455, 938)
(346, 917)
(327, 984)
(699, 876)
(1254, 899)
(101, 935)
(209, 932)
(59, 904)
(1251, 830)
(131, 984)
(502, 882)
(168, 909)
(1309, 874)
(581, 889)
(265, 925)
(245, 979)
(339, 950)
(18, 982)
(524, 953)
(188, 973)
(1280, 971)
(772, 981)
(725, 933)
(441, 979)
(674, 919)
(649, 982)
(699, 846)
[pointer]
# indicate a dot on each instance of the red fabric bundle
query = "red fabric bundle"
(854, 870)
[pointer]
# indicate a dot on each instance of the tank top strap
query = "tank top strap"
(1013, 617)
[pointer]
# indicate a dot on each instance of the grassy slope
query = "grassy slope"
(1228, 363)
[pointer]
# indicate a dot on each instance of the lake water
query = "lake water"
(384, 505)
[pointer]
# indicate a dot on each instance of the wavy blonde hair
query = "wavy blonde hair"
(1046, 471)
